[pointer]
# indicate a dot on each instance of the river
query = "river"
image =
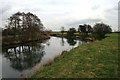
(22, 61)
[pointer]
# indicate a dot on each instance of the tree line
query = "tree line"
(97, 32)
(27, 26)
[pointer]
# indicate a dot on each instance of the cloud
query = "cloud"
(111, 15)
(84, 21)
(111, 10)
(95, 7)
(59, 13)
(4, 8)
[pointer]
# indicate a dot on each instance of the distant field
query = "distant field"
(59, 33)
(94, 60)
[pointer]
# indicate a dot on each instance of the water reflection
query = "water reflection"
(24, 57)
(48, 43)
(62, 41)
(71, 41)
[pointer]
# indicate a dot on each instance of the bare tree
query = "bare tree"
(26, 26)
(62, 30)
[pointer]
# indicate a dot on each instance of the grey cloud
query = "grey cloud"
(5, 12)
(111, 16)
(84, 21)
(5, 8)
(55, 2)
(95, 7)
(111, 10)
(33, 9)
(111, 13)
(116, 7)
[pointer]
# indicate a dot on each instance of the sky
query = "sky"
(55, 14)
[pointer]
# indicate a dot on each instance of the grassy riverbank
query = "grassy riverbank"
(94, 60)
(78, 36)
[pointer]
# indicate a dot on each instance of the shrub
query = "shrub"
(100, 29)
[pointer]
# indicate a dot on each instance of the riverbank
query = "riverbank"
(94, 60)
(77, 36)
(10, 41)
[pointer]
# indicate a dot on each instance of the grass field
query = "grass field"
(94, 60)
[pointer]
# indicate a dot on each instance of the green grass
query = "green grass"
(59, 33)
(76, 35)
(13, 36)
(94, 60)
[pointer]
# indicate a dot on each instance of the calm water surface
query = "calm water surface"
(24, 60)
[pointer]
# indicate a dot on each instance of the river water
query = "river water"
(25, 60)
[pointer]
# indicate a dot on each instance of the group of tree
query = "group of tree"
(85, 28)
(98, 31)
(25, 26)
(70, 33)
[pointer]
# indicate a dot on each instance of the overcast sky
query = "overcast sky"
(67, 13)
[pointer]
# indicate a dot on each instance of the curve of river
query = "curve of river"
(21, 61)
